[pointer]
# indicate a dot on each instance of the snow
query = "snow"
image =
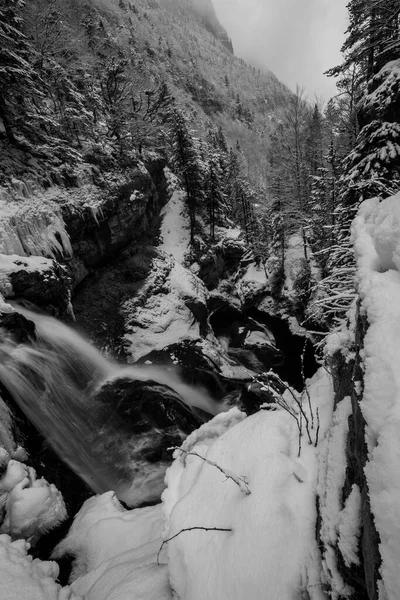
(126, 563)
(385, 93)
(271, 550)
(32, 506)
(341, 339)
(175, 228)
(233, 233)
(294, 261)
(331, 477)
(14, 263)
(376, 235)
(349, 527)
(22, 577)
(33, 227)
(4, 306)
(160, 314)
(255, 273)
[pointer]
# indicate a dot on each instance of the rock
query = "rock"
(147, 406)
(169, 307)
(142, 420)
(221, 261)
(21, 328)
(39, 280)
(202, 363)
(100, 228)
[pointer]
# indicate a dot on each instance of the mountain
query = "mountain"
(87, 59)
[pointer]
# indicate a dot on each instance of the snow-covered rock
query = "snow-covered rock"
(23, 577)
(376, 232)
(169, 307)
(40, 280)
(32, 506)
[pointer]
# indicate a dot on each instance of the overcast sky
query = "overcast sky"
(296, 39)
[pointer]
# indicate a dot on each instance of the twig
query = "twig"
(280, 401)
(305, 383)
(297, 401)
(240, 481)
(318, 426)
(189, 529)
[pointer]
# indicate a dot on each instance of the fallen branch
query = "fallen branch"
(240, 481)
(189, 529)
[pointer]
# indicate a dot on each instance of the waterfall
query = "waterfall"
(54, 378)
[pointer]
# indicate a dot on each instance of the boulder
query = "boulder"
(220, 261)
(42, 281)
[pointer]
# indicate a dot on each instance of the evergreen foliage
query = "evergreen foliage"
(186, 161)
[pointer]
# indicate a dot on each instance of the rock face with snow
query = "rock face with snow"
(42, 281)
(51, 240)
(366, 366)
(102, 225)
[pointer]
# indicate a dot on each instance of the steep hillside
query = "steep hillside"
(65, 99)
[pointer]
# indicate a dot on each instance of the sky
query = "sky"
(296, 39)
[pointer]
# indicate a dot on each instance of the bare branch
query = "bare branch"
(189, 529)
(241, 482)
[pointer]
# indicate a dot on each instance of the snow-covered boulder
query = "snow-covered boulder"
(40, 280)
(24, 577)
(170, 307)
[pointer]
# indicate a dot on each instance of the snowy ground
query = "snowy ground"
(270, 552)
(175, 232)
(271, 549)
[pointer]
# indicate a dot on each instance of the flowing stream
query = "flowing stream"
(53, 379)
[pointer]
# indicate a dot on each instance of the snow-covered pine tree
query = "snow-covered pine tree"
(373, 166)
(186, 161)
(20, 87)
(214, 189)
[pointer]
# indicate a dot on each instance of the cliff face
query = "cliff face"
(361, 575)
(361, 540)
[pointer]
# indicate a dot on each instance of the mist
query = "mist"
(296, 39)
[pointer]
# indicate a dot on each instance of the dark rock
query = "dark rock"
(50, 289)
(220, 262)
(141, 420)
(195, 367)
(253, 396)
(121, 217)
(22, 329)
(143, 406)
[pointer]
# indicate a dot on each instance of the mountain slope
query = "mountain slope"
(83, 54)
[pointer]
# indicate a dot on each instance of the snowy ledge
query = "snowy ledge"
(376, 238)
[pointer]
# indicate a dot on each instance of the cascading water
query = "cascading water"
(54, 381)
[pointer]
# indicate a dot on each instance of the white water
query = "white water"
(53, 379)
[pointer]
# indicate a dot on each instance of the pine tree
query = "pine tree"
(214, 189)
(186, 160)
(373, 164)
(20, 87)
